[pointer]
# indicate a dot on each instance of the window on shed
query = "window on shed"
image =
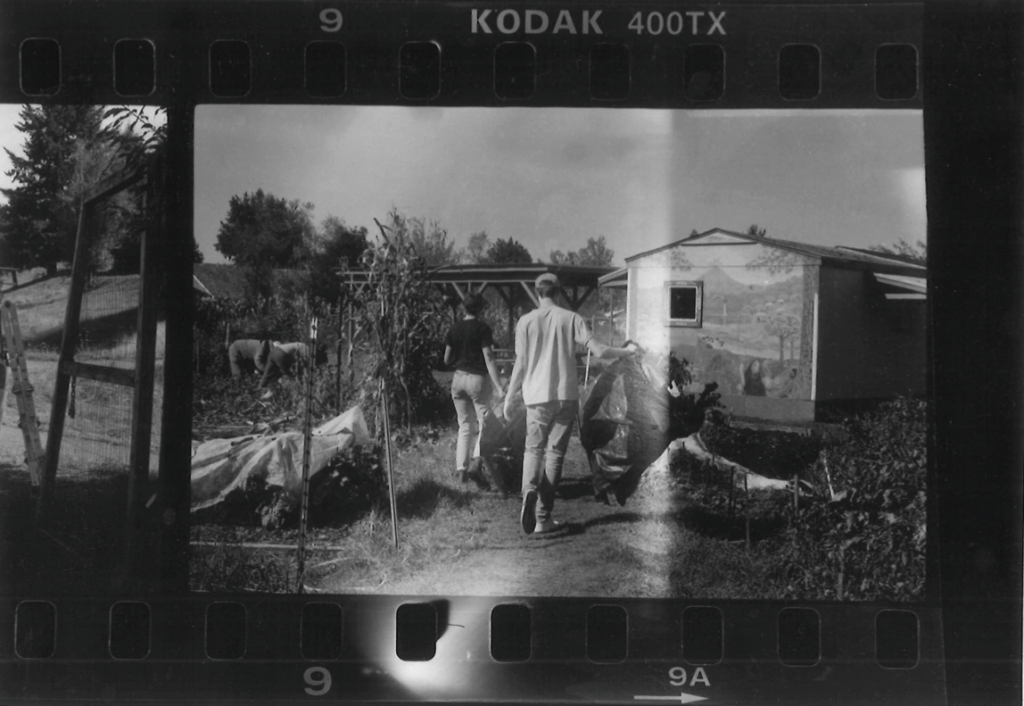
(684, 303)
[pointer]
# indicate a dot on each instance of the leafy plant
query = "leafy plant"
(868, 543)
(403, 316)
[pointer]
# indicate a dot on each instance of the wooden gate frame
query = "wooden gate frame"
(141, 378)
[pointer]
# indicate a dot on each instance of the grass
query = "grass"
(438, 521)
(80, 551)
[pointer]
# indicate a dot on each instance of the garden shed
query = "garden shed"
(787, 329)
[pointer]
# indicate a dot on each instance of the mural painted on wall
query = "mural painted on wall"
(755, 339)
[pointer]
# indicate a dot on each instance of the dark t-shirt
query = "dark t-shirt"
(467, 339)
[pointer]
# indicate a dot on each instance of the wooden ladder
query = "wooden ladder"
(14, 357)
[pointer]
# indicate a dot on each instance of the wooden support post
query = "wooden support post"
(350, 326)
(175, 225)
(69, 341)
(530, 293)
(337, 352)
(145, 375)
(508, 299)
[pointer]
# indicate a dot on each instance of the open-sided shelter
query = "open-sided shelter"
(511, 281)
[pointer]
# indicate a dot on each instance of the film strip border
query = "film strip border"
(652, 55)
(389, 648)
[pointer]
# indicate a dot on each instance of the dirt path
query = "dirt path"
(601, 550)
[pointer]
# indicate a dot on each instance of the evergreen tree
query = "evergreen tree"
(65, 152)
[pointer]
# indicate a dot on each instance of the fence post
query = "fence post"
(68, 343)
(746, 508)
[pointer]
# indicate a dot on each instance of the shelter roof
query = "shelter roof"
(219, 280)
(578, 282)
(228, 281)
(568, 275)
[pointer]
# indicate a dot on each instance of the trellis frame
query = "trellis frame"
(142, 378)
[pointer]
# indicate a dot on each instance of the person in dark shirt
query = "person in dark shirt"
(468, 346)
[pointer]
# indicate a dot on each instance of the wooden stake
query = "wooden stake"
(307, 442)
(390, 470)
(732, 497)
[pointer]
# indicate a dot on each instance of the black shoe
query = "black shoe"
(528, 516)
(602, 497)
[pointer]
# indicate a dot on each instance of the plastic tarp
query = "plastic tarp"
(625, 425)
(221, 465)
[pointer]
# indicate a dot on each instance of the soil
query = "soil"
(599, 550)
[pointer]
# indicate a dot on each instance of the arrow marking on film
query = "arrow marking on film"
(682, 698)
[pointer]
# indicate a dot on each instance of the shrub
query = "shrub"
(233, 569)
(339, 494)
(868, 543)
(775, 454)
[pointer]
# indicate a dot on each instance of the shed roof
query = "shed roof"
(842, 256)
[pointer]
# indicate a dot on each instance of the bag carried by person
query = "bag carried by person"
(624, 426)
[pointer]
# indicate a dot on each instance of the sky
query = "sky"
(551, 178)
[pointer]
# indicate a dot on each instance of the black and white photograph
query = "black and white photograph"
(483, 352)
(559, 352)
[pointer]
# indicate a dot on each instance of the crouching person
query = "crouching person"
(289, 360)
(248, 356)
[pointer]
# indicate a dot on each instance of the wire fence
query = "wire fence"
(98, 424)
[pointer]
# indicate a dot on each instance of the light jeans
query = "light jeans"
(548, 429)
(471, 395)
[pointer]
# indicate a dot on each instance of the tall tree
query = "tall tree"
(66, 150)
(478, 245)
(507, 252)
(342, 243)
(265, 231)
(595, 253)
(340, 246)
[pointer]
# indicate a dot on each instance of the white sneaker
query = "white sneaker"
(546, 526)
